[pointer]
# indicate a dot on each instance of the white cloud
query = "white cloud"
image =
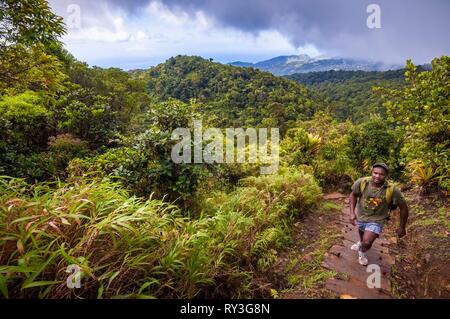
(145, 30)
(309, 49)
(116, 33)
(111, 37)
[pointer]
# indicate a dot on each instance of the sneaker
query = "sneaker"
(362, 259)
(356, 246)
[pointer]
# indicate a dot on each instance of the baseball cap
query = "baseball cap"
(381, 164)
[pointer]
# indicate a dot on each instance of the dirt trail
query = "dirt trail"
(351, 280)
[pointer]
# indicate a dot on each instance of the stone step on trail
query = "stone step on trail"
(352, 277)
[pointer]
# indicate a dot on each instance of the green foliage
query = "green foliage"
(370, 142)
(23, 132)
(23, 120)
(424, 176)
(422, 108)
(88, 116)
(273, 202)
(144, 165)
(230, 96)
(299, 147)
(112, 236)
(92, 104)
(28, 28)
(65, 147)
(99, 104)
(123, 94)
(23, 68)
(340, 76)
(295, 189)
(320, 143)
(28, 22)
(349, 94)
(22, 107)
(104, 137)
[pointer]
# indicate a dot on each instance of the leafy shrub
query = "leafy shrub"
(296, 189)
(144, 164)
(425, 177)
(23, 120)
(320, 143)
(65, 147)
(370, 142)
(299, 146)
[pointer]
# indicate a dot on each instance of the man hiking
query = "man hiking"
(374, 197)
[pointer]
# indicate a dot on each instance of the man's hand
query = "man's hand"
(353, 219)
(401, 232)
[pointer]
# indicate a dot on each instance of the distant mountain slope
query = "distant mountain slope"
(290, 64)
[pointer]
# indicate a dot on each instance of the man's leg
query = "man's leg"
(367, 240)
(357, 246)
(366, 243)
(361, 234)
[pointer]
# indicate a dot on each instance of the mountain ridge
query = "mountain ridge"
(291, 64)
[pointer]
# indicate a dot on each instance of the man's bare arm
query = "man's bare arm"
(353, 199)
(404, 213)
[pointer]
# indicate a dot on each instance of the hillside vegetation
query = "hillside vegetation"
(88, 180)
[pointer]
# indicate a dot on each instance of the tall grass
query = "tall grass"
(127, 247)
(272, 202)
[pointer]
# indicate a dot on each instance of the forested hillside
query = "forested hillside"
(87, 176)
(229, 95)
(350, 94)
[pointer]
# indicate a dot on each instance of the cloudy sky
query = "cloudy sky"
(140, 33)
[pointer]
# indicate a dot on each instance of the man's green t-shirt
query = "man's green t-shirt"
(372, 205)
